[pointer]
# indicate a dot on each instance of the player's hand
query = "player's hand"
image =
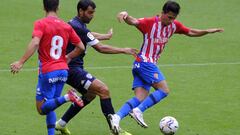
(122, 16)
(16, 67)
(109, 34)
(214, 30)
(131, 51)
(68, 59)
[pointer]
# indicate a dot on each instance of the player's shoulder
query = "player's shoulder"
(147, 18)
(177, 22)
(76, 23)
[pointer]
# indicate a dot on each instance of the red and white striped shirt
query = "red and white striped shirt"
(156, 36)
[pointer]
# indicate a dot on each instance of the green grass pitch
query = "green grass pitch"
(202, 73)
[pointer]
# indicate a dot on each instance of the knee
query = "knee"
(39, 107)
(39, 110)
(166, 90)
(104, 92)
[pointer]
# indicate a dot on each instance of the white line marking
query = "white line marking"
(125, 67)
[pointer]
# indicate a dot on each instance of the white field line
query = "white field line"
(126, 67)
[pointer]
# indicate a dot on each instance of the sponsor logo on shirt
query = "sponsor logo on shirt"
(160, 40)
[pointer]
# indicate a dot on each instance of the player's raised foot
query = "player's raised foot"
(137, 115)
(114, 121)
(63, 130)
(73, 97)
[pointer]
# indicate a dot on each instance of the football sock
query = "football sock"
(107, 108)
(152, 99)
(52, 104)
(73, 110)
(50, 120)
(127, 107)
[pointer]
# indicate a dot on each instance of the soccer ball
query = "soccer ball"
(168, 125)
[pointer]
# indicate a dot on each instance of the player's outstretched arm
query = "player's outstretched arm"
(199, 33)
(106, 36)
(32, 47)
(123, 16)
(107, 49)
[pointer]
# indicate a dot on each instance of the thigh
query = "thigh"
(80, 79)
(99, 88)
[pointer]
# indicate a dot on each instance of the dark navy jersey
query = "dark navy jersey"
(87, 38)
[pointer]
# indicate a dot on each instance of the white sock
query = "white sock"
(66, 97)
(62, 123)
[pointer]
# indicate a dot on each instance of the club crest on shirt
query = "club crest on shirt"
(155, 75)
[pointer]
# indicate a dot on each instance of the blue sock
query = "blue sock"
(128, 106)
(51, 104)
(152, 99)
(50, 120)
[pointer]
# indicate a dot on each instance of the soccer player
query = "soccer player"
(79, 78)
(156, 32)
(50, 37)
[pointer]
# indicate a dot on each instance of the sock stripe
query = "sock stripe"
(130, 105)
(51, 126)
(153, 99)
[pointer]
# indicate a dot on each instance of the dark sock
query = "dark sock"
(74, 110)
(107, 108)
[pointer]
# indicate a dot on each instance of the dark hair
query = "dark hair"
(84, 4)
(50, 5)
(171, 6)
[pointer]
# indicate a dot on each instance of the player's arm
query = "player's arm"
(123, 16)
(32, 47)
(107, 49)
(101, 36)
(199, 33)
(76, 52)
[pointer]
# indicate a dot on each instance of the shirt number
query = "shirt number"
(56, 47)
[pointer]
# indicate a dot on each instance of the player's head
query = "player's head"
(50, 5)
(86, 10)
(170, 11)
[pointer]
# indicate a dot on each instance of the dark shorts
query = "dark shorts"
(79, 79)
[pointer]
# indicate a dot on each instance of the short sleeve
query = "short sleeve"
(37, 29)
(180, 28)
(144, 24)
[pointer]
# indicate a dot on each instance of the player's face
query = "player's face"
(168, 18)
(87, 15)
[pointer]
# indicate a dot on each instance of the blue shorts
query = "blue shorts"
(50, 84)
(145, 74)
(79, 79)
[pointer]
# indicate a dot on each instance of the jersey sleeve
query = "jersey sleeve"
(86, 36)
(74, 39)
(37, 29)
(144, 24)
(180, 28)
